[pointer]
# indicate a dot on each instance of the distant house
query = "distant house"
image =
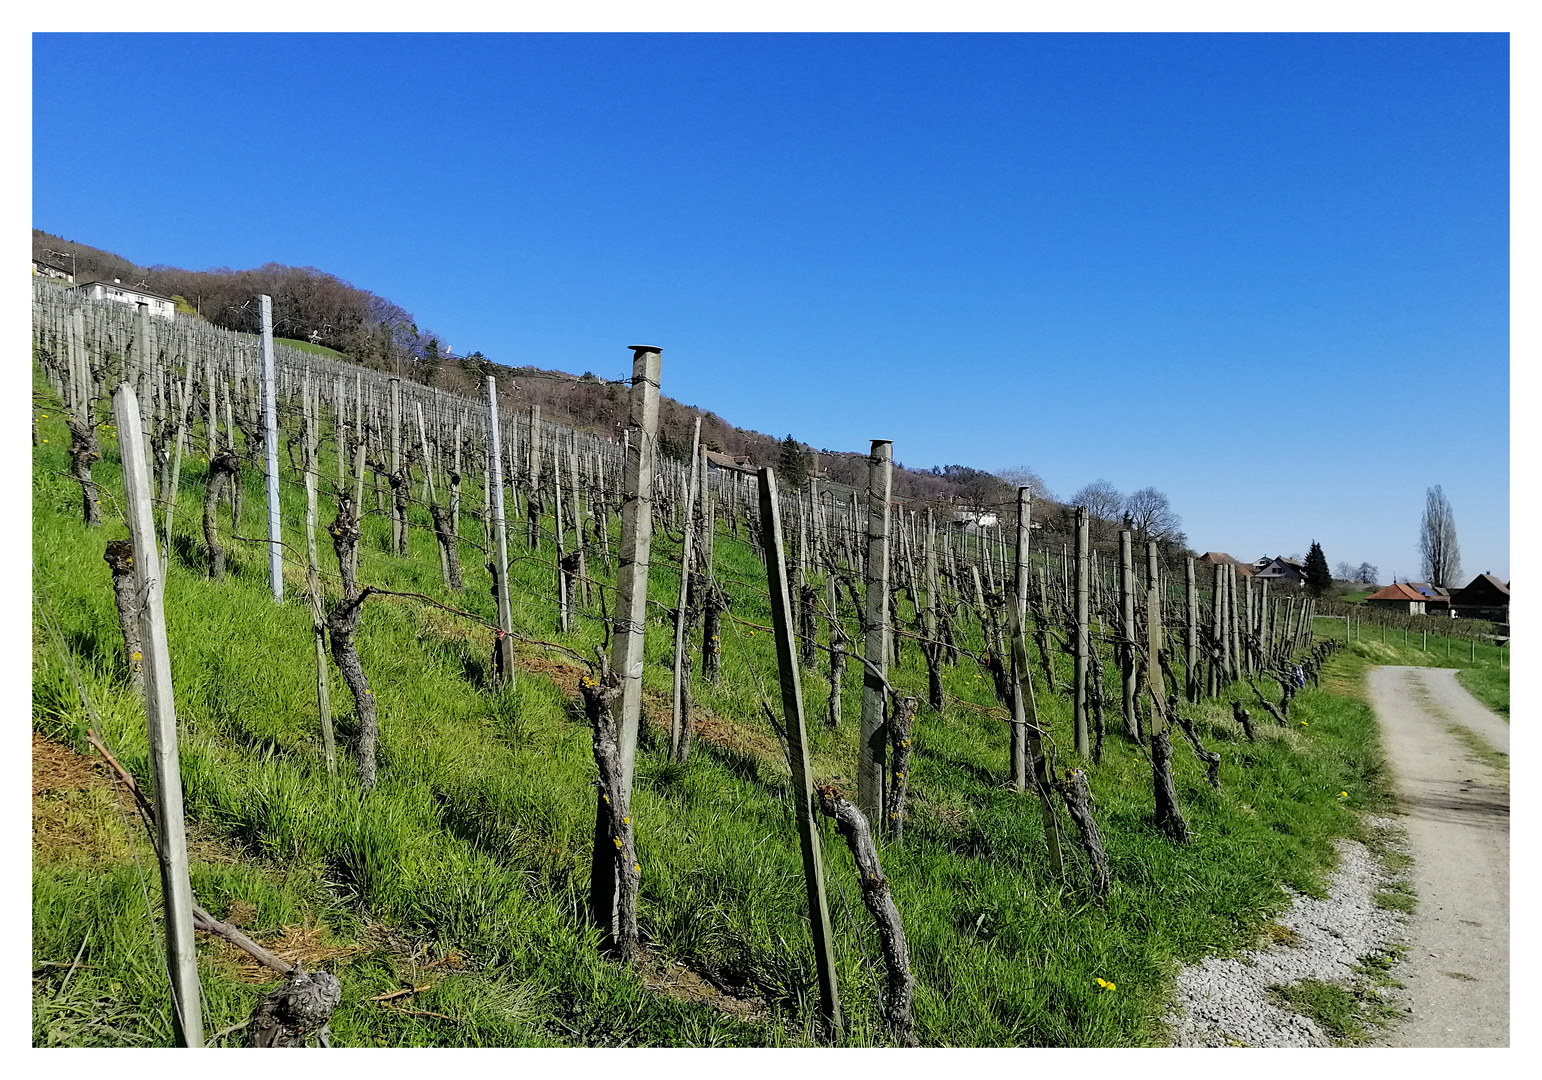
(1484, 597)
(1220, 558)
(1280, 571)
(1398, 597)
(1437, 601)
(739, 463)
(160, 306)
(972, 521)
(43, 269)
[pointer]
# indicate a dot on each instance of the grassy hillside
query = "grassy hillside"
(464, 873)
(306, 346)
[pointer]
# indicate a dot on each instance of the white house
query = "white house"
(43, 269)
(163, 306)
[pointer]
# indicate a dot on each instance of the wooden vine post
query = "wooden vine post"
(1217, 605)
(503, 651)
(270, 450)
(871, 749)
(1083, 738)
(1127, 651)
(313, 579)
(398, 486)
(631, 611)
(1025, 716)
(797, 745)
(161, 711)
(680, 704)
(1168, 817)
(1020, 674)
(1191, 631)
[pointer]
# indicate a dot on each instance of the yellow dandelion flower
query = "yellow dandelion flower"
(617, 839)
(1343, 794)
(637, 868)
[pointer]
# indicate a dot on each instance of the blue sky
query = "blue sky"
(1266, 274)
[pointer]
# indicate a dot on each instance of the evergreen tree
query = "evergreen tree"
(1318, 576)
(791, 466)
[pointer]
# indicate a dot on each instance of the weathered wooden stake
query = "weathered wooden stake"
(270, 449)
(313, 581)
(1127, 650)
(504, 649)
(630, 615)
(1025, 715)
(161, 711)
(1083, 731)
(1191, 632)
(678, 703)
(871, 749)
(797, 742)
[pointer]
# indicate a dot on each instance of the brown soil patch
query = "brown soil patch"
(78, 814)
(564, 673)
(308, 944)
(681, 983)
(55, 767)
(724, 732)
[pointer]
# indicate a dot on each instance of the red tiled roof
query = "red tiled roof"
(1397, 591)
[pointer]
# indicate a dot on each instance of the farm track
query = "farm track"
(1457, 806)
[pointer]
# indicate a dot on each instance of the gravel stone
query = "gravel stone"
(1224, 1001)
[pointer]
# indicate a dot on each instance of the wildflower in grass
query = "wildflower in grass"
(1343, 794)
(1105, 984)
(1303, 723)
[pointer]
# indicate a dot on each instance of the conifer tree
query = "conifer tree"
(1318, 576)
(792, 465)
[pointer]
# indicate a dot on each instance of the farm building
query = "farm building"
(1220, 558)
(739, 463)
(1484, 597)
(43, 269)
(1279, 571)
(1398, 597)
(161, 306)
(1437, 601)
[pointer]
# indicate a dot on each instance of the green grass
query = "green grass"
(476, 841)
(1351, 1012)
(1482, 667)
(306, 346)
(1489, 684)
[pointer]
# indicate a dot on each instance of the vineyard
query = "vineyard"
(493, 732)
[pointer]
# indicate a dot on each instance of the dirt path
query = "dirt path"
(1457, 804)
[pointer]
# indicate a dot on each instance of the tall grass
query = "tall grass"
(476, 840)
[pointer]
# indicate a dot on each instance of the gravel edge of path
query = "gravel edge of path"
(1225, 1001)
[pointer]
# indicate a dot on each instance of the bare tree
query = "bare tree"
(1343, 570)
(1440, 556)
(1150, 516)
(1367, 574)
(1103, 502)
(1022, 476)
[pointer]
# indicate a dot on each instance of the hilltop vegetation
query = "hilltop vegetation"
(373, 331)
